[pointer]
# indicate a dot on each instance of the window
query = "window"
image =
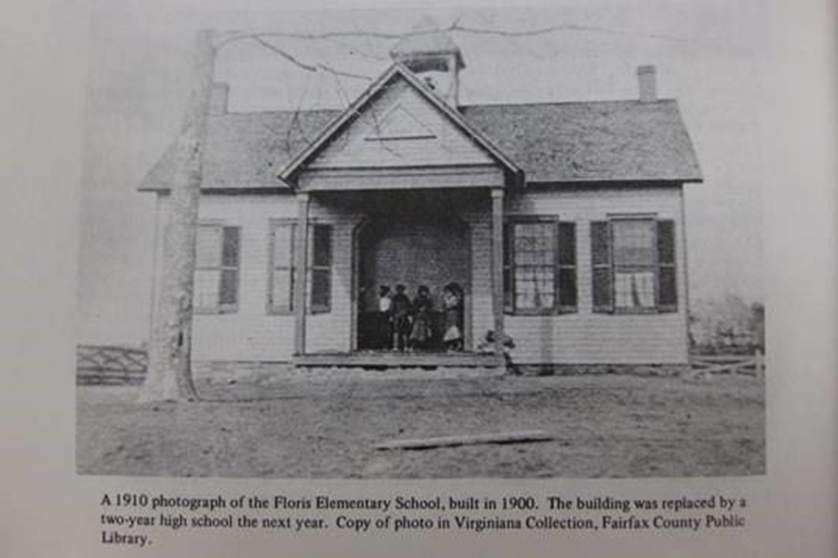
(634, 266)
(216, 269)
(282, 272)
(539, 266)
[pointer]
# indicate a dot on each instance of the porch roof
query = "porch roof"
(553, 143)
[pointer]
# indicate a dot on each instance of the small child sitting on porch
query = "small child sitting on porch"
(488, 346)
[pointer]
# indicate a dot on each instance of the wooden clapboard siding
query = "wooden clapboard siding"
(332, 331)
(251, 333)
(586, 337)
(481, 275)
(437, 141)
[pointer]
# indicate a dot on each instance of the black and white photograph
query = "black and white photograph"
(423, 243)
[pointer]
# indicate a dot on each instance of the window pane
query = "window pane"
(320, 289)
(206, 288)
(230, 252)
(208, 246)
(534, 243)
(634, 243)
(567, 287)
(634, 290)
(322, 245)
(524, 301)
(535, 288)
(283, 245)
(282, 281)
(525, 286)
(229, 287)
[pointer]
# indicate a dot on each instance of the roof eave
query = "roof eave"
(458, 118)
(645, 181)
(290, 168)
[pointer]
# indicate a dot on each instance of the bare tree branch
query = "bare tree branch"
(283, 54)
(455, 27)
(354, 49)
(335, 72)
(232, 36)
(303, 65)
(366, 35)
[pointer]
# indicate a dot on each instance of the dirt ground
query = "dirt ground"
(603, 426)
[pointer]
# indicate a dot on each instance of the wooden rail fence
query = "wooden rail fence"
(751, 365)
(110, 365)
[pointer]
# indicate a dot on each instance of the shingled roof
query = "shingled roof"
(245, 150)
(591, 141)
(553, 143)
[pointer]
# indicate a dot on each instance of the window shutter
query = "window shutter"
(230, 248)
(508, 276)
(567, 267)
(320, 269)
(603, 299)
(667, 277)
(229, 288)
(281, 285)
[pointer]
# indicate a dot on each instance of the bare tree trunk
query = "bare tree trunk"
(169, 375)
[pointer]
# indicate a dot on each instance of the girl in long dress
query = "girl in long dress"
(452, 300)
(421, 333)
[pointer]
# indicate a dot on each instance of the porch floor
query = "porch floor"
(396, 359)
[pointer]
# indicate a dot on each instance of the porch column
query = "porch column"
(300, 268)
(497, 267)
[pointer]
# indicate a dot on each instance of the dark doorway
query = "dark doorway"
(412, 245)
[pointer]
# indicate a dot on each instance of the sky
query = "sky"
(709, 54)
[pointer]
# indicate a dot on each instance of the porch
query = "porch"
(396, 359)
(416, 239)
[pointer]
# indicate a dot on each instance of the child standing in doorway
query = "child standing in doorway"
(421, 333)
(401, 317)
(384, 323)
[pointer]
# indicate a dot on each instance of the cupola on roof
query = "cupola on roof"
(425, 40)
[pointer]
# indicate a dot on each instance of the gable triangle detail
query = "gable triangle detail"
(397, 106)
(398, 123)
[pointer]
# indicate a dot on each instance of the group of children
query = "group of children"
(405, 324)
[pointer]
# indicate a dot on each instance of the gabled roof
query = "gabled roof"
(396, 71)
(552, 143)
